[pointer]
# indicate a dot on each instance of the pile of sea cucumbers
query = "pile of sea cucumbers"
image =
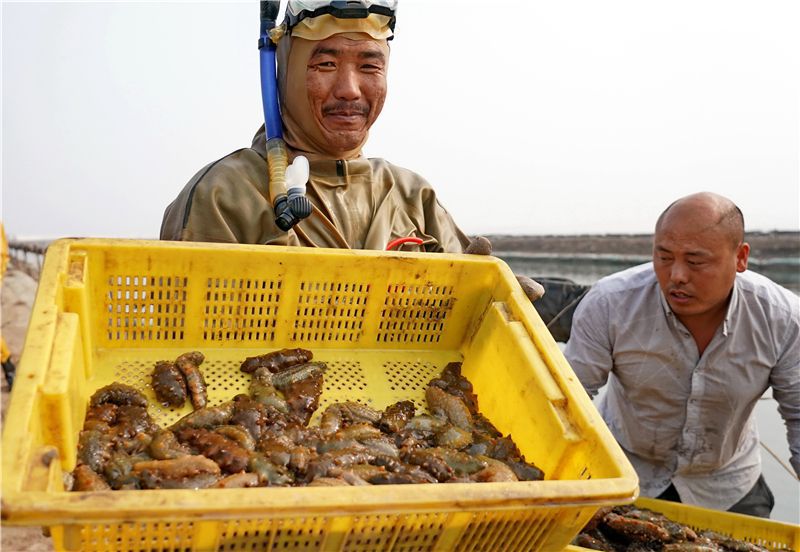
(632, 529)
(263, 438)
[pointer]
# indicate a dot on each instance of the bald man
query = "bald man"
(687, 344)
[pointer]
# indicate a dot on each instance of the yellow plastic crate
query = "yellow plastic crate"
(773, 535)
(385, 323)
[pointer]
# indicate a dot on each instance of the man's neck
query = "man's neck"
(704, 326)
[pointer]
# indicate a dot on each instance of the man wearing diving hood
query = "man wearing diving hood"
(332, 84)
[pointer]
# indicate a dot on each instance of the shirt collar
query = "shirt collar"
(733, 304)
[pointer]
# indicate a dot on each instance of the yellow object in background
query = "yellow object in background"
(4, 252)
(5, 354)
(3, 263)
(9, 370)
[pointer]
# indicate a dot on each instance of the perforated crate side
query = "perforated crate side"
(153, 297)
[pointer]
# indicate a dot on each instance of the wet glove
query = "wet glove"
(482, 246)
(533, 289)
(479, 246)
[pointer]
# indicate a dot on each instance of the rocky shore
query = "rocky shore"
(586, 258)
(763, 245)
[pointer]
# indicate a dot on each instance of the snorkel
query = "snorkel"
(287, 183)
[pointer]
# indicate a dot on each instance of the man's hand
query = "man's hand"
(482, 246)
(479, 246)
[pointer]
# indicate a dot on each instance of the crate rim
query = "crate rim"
(289, 249)
(654, 504)
(757, 524)
(48, 508)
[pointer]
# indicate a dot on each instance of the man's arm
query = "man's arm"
(224, 202)
(785, 382)
(589, 349)
(438, 223)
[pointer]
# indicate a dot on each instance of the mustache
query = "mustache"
(346, 107)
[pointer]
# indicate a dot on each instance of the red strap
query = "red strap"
(400, 241)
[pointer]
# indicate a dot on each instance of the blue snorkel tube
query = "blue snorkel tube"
(286, 188)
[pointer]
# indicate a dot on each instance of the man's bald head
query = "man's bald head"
(698, 249)
(716, 210)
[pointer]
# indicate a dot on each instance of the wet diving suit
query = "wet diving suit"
(358, 203)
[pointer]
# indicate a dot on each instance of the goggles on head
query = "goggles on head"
(298, 10)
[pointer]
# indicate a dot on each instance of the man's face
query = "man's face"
(346, 83)
(696, 265)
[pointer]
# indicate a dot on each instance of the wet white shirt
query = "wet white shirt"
(681, 417)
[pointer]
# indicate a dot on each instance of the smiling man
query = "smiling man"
(687, 345)
(333, 60)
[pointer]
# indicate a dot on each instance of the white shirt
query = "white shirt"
(681, 417)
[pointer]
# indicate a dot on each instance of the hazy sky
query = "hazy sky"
(582, 116)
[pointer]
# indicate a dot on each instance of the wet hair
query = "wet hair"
(731, 220)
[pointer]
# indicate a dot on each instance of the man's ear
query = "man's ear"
(742, 254)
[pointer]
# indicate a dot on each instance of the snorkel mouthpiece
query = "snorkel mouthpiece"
(294, 206)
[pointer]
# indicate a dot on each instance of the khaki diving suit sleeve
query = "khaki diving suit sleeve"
(439, 224)
(224, 202)
(415, 198)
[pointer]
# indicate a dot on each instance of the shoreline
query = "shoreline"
(763, 245)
